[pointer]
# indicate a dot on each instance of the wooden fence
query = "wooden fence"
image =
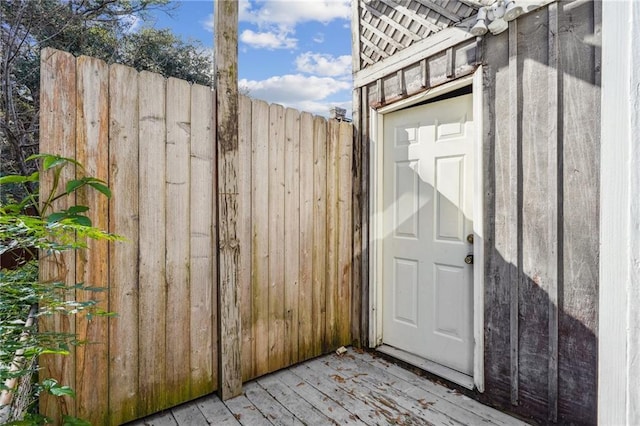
(153, 140)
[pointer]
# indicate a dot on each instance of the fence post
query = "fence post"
(226, 85)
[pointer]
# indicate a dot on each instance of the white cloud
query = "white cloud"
(306, 93)
(268, 40)
(324, 64)
(208, 23)
(289, 13)
(318, 38)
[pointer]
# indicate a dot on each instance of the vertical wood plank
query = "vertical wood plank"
(202, 255)
(57, 136)
(260, 234)
(177, 239)
(535, 196)
(364, 217)
(332, 284)
(514, 210)
(244, 232)
(276, 237)
(291, 234)
(356, 212)
(345, 231)
(305, 301)
(152, 210)
(553, 195)
(123, 266)
(92, 380)
(319, 277)
(230, 327)
(579, 193)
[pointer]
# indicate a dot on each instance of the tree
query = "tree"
(98, 28)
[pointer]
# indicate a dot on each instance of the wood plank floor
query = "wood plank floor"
(353, 389)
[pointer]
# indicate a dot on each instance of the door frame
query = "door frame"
(375, 214)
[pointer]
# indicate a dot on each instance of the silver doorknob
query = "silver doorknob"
(469, 259)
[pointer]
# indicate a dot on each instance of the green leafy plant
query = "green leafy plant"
(29, 227)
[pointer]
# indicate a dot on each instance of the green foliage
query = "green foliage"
(23, 296)
(98, 28)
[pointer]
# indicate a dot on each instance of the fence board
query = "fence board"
(151, 276)
(276, 238)
(203, 333)
(123, 255)
(305, 300)
(260, 238)
(345, 232)
(244, 234)
(292, 233)
(177, 261)
(294, 225)
(92, 133)
(332, 301)
(319, 232)
(58, 130)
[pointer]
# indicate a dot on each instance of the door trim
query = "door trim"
(375, 215)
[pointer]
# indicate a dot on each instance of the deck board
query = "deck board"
(355, 388)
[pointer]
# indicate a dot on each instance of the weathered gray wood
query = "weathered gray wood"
(230, 327)
(514, 221)
(188, 414)
(269, 406)
(317, 399)
(534, 212)
(297, 406)
(456, 399)
(161, 419)
(245, 412)
(578, 294)
(553, 195)
(215, 411)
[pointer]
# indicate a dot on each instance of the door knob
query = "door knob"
(469, 259)
(470, 238)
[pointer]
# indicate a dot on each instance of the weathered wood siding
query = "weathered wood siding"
(152, 140)
(541, 161)
(542, 123)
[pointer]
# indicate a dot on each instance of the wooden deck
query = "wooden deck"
(355, 388)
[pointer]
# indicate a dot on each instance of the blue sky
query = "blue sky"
(292, 52)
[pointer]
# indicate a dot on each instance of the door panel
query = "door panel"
(428, 201)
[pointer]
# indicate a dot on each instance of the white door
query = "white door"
(428, 201)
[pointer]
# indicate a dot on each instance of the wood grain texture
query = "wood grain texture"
(580, 195)
(536, 209)
(123, 265)
(356, 216)
(203, 303)
(58, 136)
(333, 188)
(178, 238)
(276, 238)
(319, 233)
(226, 70)
(92, 126)
(245, 234)
(291, 235)
(260, 235)
(305, 299)
(345, 232)
(152, 250)
(554, 233)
